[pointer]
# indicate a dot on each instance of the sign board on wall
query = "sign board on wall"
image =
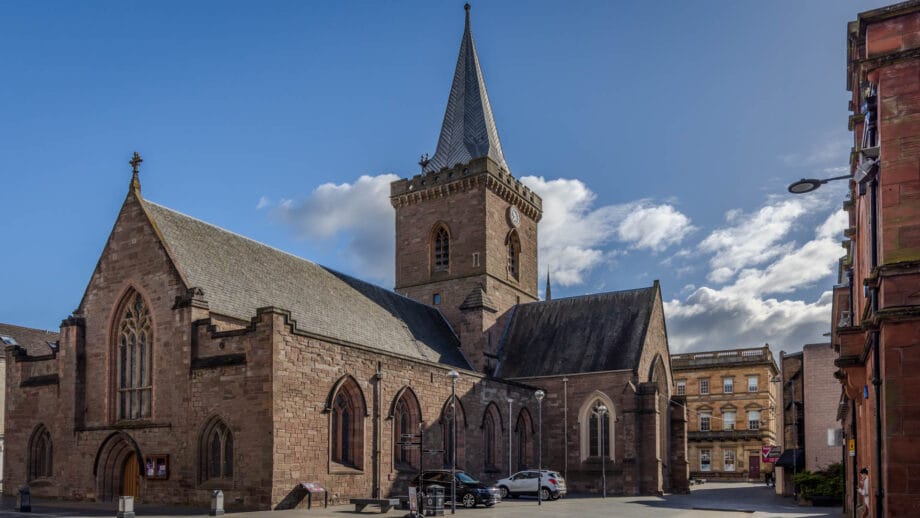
(770, 453)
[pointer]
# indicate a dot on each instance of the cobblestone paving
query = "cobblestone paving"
(722, 500)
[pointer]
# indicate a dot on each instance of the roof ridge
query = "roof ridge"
(2, 324)
(588, 295)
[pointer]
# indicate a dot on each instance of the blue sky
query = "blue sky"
(661, 135)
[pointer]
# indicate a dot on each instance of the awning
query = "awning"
(792, 459)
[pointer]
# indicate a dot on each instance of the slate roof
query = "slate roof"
(239, 275)
(468, 130)
(590, 333)
(36, 342)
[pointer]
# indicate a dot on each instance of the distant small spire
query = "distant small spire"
(135, 167)
(549, 289)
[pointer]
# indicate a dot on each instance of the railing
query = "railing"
(760, 354)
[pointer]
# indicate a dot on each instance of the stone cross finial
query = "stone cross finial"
(135, 162)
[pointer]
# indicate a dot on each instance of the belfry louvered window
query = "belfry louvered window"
(441, 250)
(514, 255)
(134, 348)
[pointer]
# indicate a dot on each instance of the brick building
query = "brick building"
(821, 394)
(731, 400)
(198, 359)
(875, 319)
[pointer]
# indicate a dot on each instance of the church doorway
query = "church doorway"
(118, 468)
(130, 477)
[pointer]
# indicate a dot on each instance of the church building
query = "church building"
(198, 359)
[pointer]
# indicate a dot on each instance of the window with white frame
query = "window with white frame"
(728, 420)
(704, 385)
(706, 460)
(728, 384)
(753, 383)
(705, 420)
(729, 463)
(681, 387)
(754, 420)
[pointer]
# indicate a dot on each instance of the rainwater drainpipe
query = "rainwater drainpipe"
(854, 462)
(876, 354)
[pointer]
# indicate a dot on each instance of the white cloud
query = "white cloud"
(263, 202)
(576, 237)
(833, 148)
(743, 315)
(355, 217)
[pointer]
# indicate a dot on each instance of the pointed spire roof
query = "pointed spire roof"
(549, 289)
(468, 130)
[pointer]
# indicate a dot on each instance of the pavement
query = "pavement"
(713, 499)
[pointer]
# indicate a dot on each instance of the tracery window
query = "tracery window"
(346, 424)
(342, 416)
(441, 250)
(523, 431)
(134, 346)
(514, 255)
(599, 431)
(596, 428)
(406, 419)
(491, 435)
(216, 451)
(40, 454)
(453, 429)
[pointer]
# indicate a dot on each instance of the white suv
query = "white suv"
(525, 483)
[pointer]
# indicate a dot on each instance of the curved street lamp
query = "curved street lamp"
(510, 401)
(809, 184)
(601, 414)
(539, 394)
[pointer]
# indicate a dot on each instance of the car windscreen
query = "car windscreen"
(466, 479)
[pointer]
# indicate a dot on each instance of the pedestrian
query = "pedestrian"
(864, 492)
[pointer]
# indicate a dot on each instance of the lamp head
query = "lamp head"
(539, 394)
(601, 409)
(453, 375)
(805, 185)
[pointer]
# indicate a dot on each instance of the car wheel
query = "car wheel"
(503, 491)
(557, 496)
(545, 494)
(469, 501)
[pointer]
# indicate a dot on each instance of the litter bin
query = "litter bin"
(434, 500)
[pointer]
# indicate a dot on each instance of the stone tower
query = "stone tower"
(466, 229)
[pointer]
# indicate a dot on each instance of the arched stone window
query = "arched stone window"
(513, 245)
(440, 248)
(597, 431)
(216, 451)
(448, 425)
(523, 438)
(491, 438)
(406, 415)
(41, 463)
(346, 424)
(133, 359)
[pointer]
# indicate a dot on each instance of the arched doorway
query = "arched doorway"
(118, 468)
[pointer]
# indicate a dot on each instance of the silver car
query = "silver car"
(525, 483)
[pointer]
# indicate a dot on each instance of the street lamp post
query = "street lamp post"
(539, 394)
(565, 424)
(601, 414)
(453, 443)
(510, 401)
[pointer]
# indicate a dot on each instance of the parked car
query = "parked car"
(470, 492)
(525, 483)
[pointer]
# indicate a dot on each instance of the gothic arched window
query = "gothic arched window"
(523, 430)
(346, 430)
(406, 418)
(40, 454)
(134, 353)
(440, 260)
(514, 255)
(216, 451)
(453, 428)
(491, 435)
(598, 435)
(597, 427)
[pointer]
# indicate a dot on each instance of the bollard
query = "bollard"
(125, 507)
(217, 503)
(24, 500)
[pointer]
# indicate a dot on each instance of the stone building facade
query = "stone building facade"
(731, 402)
(821, 393)
(875, 320)
(198, 359)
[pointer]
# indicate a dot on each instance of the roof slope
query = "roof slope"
(469, 129)
(36, 342)
(591, 333)
(239, 275)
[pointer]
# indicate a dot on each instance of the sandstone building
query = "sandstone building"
(198, 359)
(731, 400)
(875, 320)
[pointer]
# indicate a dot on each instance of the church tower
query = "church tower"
(466, 229)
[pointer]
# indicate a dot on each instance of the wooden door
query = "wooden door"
(754, 464)
(130, 477)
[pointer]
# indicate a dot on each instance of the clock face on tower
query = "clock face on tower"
(514, 217)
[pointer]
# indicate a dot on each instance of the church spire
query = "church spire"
(549, 290)
(468, 130)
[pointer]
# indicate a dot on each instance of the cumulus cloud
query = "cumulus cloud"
(354, 217)
(576, 237)
(741, 314)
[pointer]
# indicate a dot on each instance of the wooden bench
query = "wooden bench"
(385, 504)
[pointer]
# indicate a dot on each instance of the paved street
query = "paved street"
(722, 500)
